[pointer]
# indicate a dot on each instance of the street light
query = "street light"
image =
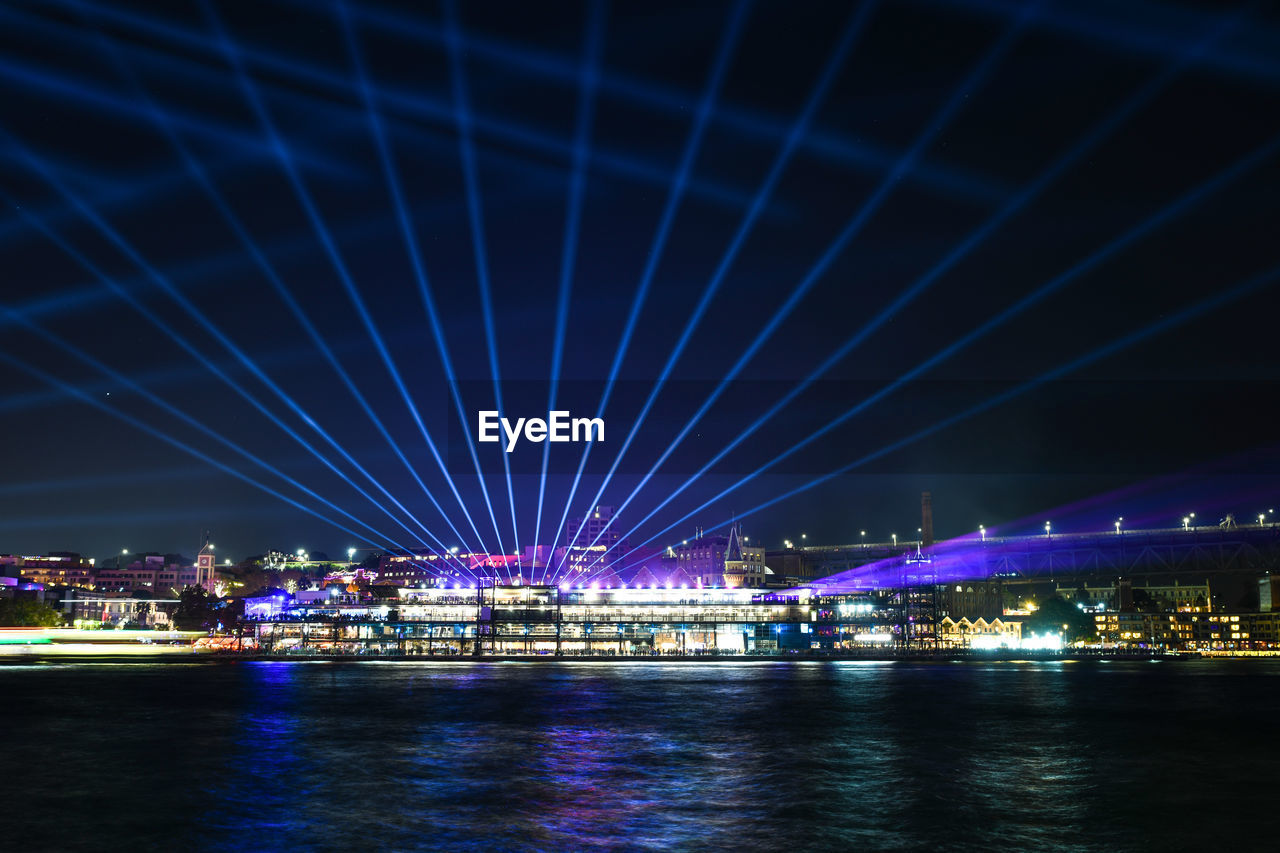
(863, 534)
(895, 538)
(1186, 522)
(351, 554)
(982, 531)
(1118, 520)
(1048, 528)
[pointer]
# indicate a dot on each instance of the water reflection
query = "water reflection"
(462, 756)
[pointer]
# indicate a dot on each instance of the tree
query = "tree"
(195, 609)
(1059, 616)
(25, 613)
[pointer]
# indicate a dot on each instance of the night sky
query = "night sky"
(1037, 243)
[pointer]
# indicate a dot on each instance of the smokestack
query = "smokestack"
(926, 519)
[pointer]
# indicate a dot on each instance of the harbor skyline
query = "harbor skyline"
(639, 425)
(803, 277)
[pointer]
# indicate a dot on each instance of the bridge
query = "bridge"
(1140, 553)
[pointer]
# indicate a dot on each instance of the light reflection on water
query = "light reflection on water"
(807, 756)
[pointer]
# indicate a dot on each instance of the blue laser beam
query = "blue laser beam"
(859, 154)
(728, 44)
(326, 239)
(196, 170)
(857, 22)
(475, 214)
(1132, 32)
(1239, 291)
(569, 247)
(1078, 150)
(96, 96)
(120, 243)
(411, 106)
(185, 418)
(391, 176)
(1157, 220)
(975, 79)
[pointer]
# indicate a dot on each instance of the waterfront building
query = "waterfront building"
(82, 607)
(971, 600)
(52, 570)
(582, 619)
(153, 574)
(1191, 631)
(1123, 594)
(593, 543)
(597, 527)
(743, 563)
(423, 565)
(980, 633)
(702, 559)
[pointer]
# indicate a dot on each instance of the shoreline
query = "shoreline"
(44, 657)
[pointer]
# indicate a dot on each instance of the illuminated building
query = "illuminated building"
(980, 633)
(971, 600)
(578, 619)
(53, 570)
(115, 609)
(743, 564)
(702, 559)
(592, 543)
(153, 574)
(590, 529)
(1191, 632)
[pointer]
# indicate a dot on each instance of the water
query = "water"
(743, 756)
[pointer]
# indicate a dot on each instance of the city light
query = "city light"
(318, 233)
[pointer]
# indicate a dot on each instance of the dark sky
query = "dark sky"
(1051, 225)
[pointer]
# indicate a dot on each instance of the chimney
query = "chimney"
(926, 518)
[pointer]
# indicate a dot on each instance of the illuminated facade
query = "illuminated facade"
(1125, 595)
(1192, 631)
(53, 570)
(152, 574)
(743, 564)
(559, 620)
(589, 529)
(980, 633)
(703, 560)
